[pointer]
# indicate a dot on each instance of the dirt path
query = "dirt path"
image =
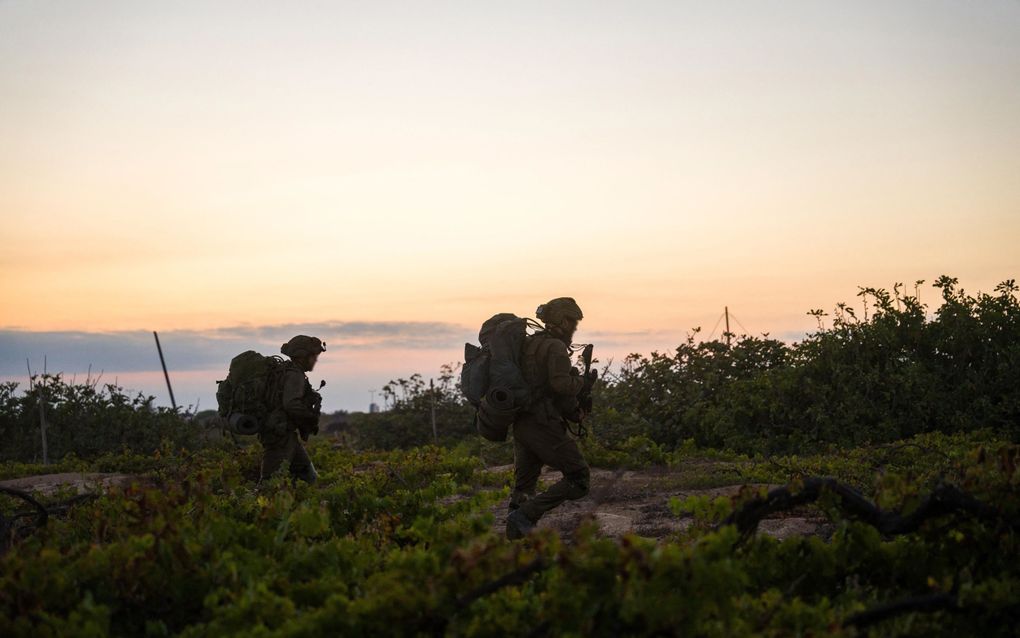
(637, 501)
(77, 481)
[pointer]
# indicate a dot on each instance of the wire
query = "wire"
(746, 331)
(716, 327)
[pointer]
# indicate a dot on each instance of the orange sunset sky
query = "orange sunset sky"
(388, 175)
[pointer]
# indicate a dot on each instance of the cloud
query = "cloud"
(135, 350)
(365, 354)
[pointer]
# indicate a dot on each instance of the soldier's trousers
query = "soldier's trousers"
(540, 442)
(287, 449)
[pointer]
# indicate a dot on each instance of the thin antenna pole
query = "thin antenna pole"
(162, 362)
(432, 397)
(727, 326)
(42, 415)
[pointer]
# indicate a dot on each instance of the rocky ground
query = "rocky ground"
(637, 501)
(76, 482)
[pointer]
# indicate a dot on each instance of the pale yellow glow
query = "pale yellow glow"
(199, 167)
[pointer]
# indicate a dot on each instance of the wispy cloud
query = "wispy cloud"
(134, 350)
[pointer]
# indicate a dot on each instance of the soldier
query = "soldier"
(298, 413)
(540, 431)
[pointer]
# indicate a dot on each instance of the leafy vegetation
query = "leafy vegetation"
(408, 421)
(403, 543)
(87, 420)
(899, 429)
(885, 377)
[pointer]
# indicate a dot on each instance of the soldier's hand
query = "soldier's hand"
(585, 405)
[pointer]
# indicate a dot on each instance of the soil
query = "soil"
(78, 482)
(637, 502)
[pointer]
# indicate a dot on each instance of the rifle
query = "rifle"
(584, 398)
(314, 401)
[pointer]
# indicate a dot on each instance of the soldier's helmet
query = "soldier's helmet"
(553, 312)
(302, 346)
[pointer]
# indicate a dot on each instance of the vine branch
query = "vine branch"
(944, 499)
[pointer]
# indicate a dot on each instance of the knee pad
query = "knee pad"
(580, 482)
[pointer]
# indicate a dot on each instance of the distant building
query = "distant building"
(373, 408)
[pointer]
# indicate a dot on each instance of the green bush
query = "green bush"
(890, 376)
(402, 543)
(87, 420)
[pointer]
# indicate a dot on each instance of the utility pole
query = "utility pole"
(432, 397)
(727, 326)
(162, 361)
(42, 416)
(42, 407)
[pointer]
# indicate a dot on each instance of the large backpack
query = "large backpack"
(491, 378)
(250, 392)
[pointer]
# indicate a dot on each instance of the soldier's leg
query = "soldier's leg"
(301, 464)
(275, 452)
(527, 468)
(555, 448)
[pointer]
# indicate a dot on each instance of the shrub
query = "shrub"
(87, 420)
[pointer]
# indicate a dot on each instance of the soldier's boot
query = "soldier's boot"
(517, 499)
(518, 525)
(301, 466)
(572, 486)
(306, 474)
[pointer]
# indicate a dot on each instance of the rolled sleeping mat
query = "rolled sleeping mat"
(243, 424)
(500, 399)
(474, 375)
(493, 423)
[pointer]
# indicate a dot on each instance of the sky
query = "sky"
(388, 175)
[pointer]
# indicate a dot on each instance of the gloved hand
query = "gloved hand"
(586, 405)
(306, 432)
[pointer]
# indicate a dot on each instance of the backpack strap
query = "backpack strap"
(536, 353)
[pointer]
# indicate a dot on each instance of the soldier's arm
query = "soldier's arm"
(563, 379)
(297, 410)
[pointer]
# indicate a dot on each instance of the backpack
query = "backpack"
(491, 378)
(250, 392)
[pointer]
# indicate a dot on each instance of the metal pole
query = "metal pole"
(432, 396)
(42, 417)
(165, 373)
(727, 326)
(42, 411)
